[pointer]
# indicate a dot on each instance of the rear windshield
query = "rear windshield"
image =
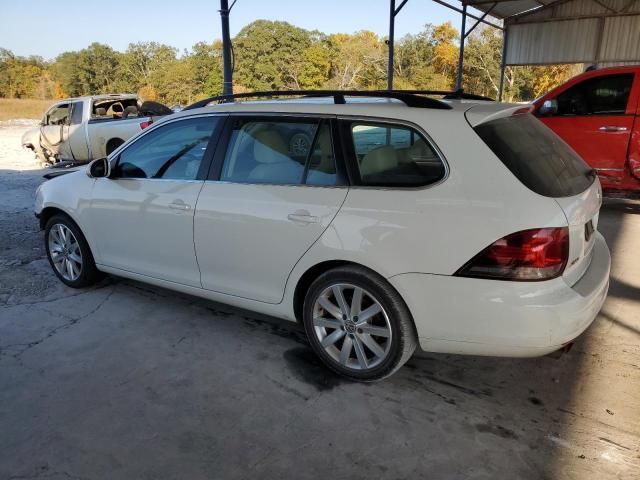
(536, 156)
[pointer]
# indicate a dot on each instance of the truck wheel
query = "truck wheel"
(113, 144)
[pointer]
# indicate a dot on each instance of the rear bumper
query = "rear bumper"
(489, 317)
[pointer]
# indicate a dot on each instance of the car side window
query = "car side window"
(607, 95)
(394, 156)
(274, 151)
(58, 115)
(172, 152)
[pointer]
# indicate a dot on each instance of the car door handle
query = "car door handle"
(302, 217)
(612, 128)
(179, 206)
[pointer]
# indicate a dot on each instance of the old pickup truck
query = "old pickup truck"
(85, 128)
(598, 114)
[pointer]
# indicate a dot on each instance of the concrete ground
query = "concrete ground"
(128, 381)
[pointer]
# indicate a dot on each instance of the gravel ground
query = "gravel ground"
(20, 242)
(125, 380)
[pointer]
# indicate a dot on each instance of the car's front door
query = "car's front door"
(142, 216)
(595, 117)
(52, 130)
(274, 191)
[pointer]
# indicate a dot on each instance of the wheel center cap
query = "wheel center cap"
(350, 326)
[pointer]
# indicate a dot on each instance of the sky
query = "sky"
(46, 28)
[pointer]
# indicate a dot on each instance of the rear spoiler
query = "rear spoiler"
(485, 112)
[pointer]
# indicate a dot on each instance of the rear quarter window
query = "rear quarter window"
(540, 159)
(397, 156)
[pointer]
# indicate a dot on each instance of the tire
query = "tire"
(65, 244)
(299, 144)
(112, 145)
(386, 338)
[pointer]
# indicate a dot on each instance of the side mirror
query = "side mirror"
(100, 168)
(549, 107)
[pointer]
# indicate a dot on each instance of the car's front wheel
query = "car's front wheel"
(68, 253)
(358, 324)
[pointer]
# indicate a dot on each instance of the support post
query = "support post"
(503, 63)
(227, 85)
(463, 36)
(392, 22)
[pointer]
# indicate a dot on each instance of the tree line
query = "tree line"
(272, 55)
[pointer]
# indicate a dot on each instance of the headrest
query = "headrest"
(101, 111)
(379, 160)
(269, 147)
(420, 151)
(130, 110)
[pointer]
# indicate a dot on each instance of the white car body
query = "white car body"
(240, 244)
(71, 130)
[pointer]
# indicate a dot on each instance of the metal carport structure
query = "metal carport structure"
(535, 32)
(546, 32)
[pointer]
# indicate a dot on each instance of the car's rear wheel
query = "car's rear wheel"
(358, 324)
(68, 253)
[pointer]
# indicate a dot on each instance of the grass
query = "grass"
(12, 108)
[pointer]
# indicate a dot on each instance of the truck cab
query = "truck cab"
(597, 114)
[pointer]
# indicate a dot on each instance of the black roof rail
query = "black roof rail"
(459, 94)
(409, 99)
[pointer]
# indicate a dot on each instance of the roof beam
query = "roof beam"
(522, 19)
(475, 17)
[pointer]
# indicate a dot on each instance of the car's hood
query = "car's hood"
(57, 172)
(31, 136)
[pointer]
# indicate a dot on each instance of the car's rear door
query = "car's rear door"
(274, 189)
(596, 116)
(142, 216)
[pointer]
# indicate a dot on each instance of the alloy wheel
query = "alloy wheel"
(65, 252)
(352, 326)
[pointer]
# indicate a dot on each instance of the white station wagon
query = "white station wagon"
(380, 221)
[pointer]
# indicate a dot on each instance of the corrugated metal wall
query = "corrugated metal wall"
(554, 35)
(621, 39)
(570, 41)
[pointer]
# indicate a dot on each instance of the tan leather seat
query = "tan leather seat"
(130, 111)
(273, 162)
(378, 160)
(420, 151)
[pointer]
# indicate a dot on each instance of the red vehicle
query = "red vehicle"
(598, 114)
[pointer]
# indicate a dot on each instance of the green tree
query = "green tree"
(414, 64)
(96, 67)
(22, 77)
(357, 61)
(144, 64)
(271, 55)
(206, 60)
(65, 70)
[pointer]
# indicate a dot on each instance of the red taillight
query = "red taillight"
(529, 255)
(145, 124)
